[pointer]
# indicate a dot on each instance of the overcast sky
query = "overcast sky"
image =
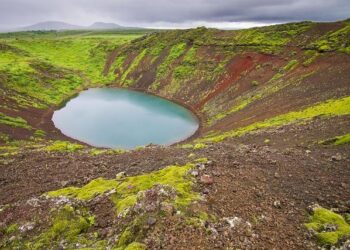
(175, 13)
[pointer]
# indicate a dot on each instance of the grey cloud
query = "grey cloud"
(146, 12)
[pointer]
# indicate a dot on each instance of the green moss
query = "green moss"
(338, 140)
(323, 217)
(199, 146)
(89, 191)
(157, 49)
(270, 39)
(67, 225)
(185, 70)
(95, 151)
(255, 83)
(39, 133)
(201, 160)
(123, 204)
(343, 139)
(175, 52)
(132, 67)
(5, 137)
(118, 63)
(46, 68)
(332, 107)
(17, 122)
(186, 146)
(291, 65)
(127, 188)
(187, 66)
(194, 146)
(312, 57)
(347, 218)
(174, 176)
(288, 67)
(13, 228)
(63, 146)
(8, 150)
(133, 234)
(245, 100)
(136, 246)
(267, 141)
(125, 238)
(334, 40)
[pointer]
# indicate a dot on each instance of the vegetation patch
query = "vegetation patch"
(245, 100)
(127, 82)
(338, 140)
(290, 65)
(67, 225)
(63, 146)
(334, 40)
(175, 52)
(18, 122)
(8, 150)
(194, 146)
(67, 229)
(332, 107)
(39, 133)
(126, 189)
(329, 226)
(45, 68)
(312, 56)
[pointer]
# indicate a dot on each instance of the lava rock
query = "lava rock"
(277, 204)
(120, 175)
(151, 221)
(167, 208)
(194, 173)
(336, 157)
(207, 179)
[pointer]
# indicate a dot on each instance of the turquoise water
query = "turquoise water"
(119, 118)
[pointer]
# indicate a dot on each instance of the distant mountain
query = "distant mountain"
(52, 25)
(55, 25)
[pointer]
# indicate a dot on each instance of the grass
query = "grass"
(17, 122)
(334, 40)
(86, 53)
(245, 100)
(291, 65)
(312, 56)
(322, 218)
(63, 146)
(50, 66)
(338, 140)
(175, 52)
(136, 246)
(39, 133)
(132, 67)
(8, 150)
(12, 228)
(329, 108)
(187, 66)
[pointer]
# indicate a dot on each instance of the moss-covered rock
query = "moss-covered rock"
(126, 189)
(329, 226)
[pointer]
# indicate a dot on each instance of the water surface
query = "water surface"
(119, 118)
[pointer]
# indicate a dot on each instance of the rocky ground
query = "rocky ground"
(258, 191)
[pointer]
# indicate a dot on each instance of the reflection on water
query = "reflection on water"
(119, 118)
